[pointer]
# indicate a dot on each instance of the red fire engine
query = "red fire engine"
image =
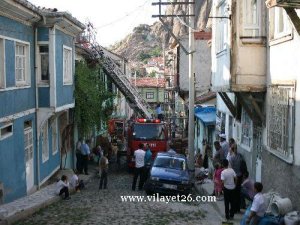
(146, 131)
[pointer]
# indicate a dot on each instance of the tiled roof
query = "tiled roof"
(149, 82)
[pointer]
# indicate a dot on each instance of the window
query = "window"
(220, 123)
(28, 141)
(6, 131)
(252, 18)
(45, 145)
(246, 123)
(22, 64)
(54, 137)
(281, 120)
(282, 24)
(2, 70)
(67, 65)
(166, 96)
(221, 27)
(44, 63)
(149, 95)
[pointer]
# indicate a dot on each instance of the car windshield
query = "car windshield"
(170, 162)
(148, 132)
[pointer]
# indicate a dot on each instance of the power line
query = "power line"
(183, 22)
(121, 18)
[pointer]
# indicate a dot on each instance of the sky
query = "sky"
(114, 19)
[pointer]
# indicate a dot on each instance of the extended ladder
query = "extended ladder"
(136, 101)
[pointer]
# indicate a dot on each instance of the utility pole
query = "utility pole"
(191, 128)
(189, 52)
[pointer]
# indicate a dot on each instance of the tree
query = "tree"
(92, 99)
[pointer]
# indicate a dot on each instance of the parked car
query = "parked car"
(169, 174)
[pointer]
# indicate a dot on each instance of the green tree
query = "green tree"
(92, 99)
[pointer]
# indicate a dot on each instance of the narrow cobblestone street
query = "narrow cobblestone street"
(92, 206)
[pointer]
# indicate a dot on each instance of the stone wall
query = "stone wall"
(281, 177)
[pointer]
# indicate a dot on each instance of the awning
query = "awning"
(207, 115)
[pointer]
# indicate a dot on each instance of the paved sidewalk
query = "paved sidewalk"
(207, 189)
(24, 207)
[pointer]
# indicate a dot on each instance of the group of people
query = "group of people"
(231, 178)
(143, 161)
(63, 186)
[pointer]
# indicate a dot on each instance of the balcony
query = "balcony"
(239, 47)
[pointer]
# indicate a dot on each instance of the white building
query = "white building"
(239, 74)
(282, 105)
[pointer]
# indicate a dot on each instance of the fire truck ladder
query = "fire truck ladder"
(136, 101)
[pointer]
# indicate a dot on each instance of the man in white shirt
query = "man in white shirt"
(62, 187)
(258, 207)
(228, 178)
(139, 156)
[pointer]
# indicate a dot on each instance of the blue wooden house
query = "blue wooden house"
(36, 95)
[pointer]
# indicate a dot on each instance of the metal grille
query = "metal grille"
(280, 119)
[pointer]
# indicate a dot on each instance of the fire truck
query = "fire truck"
(146, 131)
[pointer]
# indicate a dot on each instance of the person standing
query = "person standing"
(235, 161)
(258, 207)
(139, 156)
(224, 144)
(62, 187)
(219, 155)
(228, 178)
(218, 186)
(159, 113)
(104, 171)
(78, 156)
(148, 161)
(85, 152)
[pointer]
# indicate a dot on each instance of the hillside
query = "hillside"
(146, 41)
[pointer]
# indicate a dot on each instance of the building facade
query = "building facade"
(281, 155)
(36, 88)
(254, 72)
(239, 74)
(152, 90)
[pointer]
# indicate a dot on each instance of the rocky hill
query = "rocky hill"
(144, 41)
(148, 40)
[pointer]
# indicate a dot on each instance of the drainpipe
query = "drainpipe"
(37, 107)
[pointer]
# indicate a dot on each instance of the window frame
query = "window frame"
(149, 93)
(68, 80)
(40, 63)
(290, 123)
(2, 64)
(166, 96)
(26, 56)
(252, 26)
(28, 130)
(45, 142)
(2, 137)
(54, 132)
(246, 121)
(276, 37)
(221, 28)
